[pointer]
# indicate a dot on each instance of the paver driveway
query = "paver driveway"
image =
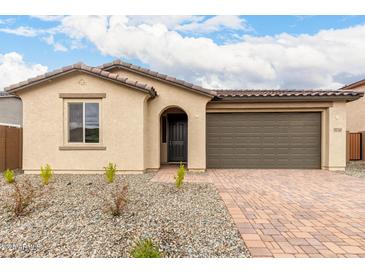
(291, 213)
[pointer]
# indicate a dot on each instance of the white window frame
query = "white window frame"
(67, 120)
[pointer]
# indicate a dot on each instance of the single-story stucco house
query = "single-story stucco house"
(79, 118)
(10, 110)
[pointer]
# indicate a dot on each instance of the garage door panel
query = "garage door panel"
(263, 140)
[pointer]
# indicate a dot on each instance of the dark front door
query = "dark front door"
(177, 141)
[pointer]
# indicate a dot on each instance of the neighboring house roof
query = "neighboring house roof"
(2, 93)
(289, 94)
(154, 74)
(83, 68)
(354, 85)
(6, 95)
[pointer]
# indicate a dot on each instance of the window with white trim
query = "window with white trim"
(84, 122)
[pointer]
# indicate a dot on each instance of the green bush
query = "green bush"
(46, 174)
(180, 175)
(145, 249)
(9, 176)
(110, 171)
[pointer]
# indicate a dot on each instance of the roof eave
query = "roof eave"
(258, 99)
(15, 90)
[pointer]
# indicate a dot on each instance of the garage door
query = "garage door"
(264, 140)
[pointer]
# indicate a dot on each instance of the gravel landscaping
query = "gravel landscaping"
(356, 169)
(68, 220)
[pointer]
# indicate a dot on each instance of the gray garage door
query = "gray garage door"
(264, 140)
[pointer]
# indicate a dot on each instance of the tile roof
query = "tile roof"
(286, 93)
(155, 74)
(84, 68)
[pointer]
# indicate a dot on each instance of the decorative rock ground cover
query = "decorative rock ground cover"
(356, 169)
(68, 220)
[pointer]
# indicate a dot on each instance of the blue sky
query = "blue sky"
(173, 44)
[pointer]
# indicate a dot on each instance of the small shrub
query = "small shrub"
(119, 200)
(9, 176)
(46, 174)
(145, 249)
(180, 175)
(116, 201)
(21, 195)
(110, 171)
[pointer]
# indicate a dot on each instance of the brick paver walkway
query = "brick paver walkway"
(291, 213)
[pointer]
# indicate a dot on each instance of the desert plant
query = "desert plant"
(145, 249)
(180, 175)
(9, 176)
(110, 171)
(119, 200)
(46, 174)
(21, 195)
(116, 201)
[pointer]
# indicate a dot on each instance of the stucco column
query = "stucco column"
(337, 136)
(196, 140)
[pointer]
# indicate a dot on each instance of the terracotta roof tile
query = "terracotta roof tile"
(81, 67)
(262, 93)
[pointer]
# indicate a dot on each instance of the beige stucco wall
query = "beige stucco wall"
(336, 139)
(170, 96)
(333, 133)
(356, 113)
(122, 126)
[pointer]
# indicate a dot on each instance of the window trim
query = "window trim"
(66, 134)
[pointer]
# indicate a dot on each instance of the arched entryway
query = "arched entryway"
(174, 136)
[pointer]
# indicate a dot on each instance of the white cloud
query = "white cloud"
(7, 21)
(13, 69)
(170, 21)
(59, 47)
(56, 45)
(190, 23)
(48, 17)
(22, 31)
(47, 35)
(321, 60)
(215, 23)
(327, 59)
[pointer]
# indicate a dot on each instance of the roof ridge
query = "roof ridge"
(354, 84)
(152, 73)
(81, 67)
